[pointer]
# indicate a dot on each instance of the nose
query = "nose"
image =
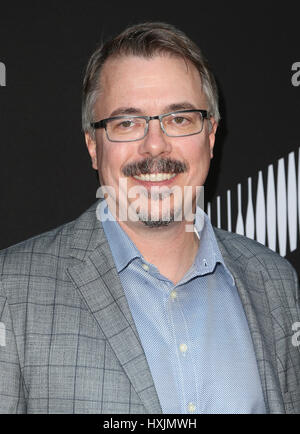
(156, 141)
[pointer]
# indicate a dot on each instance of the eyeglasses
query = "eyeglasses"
(131, 128)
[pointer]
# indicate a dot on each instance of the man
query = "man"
(139, 305)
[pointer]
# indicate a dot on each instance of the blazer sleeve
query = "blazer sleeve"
(12, 396)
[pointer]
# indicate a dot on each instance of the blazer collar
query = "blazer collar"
(96, 279)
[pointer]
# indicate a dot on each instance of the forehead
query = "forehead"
(155, 81)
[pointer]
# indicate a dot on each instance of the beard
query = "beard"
(162, 212)
(151, 222)
(156, 223)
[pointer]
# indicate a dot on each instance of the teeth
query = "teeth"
(155, 177)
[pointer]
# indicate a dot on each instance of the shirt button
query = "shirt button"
(183, 348)
(173, 294)
(191, 407)
(204, 262)
(145, 267)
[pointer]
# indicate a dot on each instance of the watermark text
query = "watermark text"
(156, 424)
(296, 335)
(296, 76)
(157, 205)
(2, 335)
(2, 74)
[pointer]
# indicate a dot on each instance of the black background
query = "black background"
(46, 177)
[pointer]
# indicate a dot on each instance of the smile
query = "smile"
(155, 177)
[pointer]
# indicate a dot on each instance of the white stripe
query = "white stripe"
(240, 224)
(271, 209)
(292, 202)
(281, 207)
(218, 211)
(250, 212)
(229, 210)
(260, 211)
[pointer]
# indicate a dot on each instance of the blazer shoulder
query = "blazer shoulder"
(257, 257)
(15, 257)
(45, 250)
(240, 245)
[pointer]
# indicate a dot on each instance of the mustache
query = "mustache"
(151, 165)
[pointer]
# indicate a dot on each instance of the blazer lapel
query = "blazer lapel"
(97, 281)
(251, 288)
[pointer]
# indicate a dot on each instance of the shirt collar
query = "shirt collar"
(124, 250)
(208, 254)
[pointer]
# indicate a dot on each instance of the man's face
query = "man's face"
(151, 86)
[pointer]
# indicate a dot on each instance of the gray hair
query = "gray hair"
(145, 40)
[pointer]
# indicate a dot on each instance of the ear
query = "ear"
(92, 148)
(213, 125)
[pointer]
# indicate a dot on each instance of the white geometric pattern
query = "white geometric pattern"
(274, 217)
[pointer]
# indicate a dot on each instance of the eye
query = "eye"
(126, 124)
(181, 120)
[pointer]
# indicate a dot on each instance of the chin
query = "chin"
(159, 216)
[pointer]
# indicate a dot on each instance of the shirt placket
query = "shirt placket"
(182, 349)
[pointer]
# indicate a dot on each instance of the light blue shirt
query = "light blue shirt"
(195, 334)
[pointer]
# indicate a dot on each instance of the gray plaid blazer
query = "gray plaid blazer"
(71, 345)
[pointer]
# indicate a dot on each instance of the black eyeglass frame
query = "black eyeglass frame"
(103, 122)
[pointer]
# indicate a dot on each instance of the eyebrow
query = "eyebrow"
(125, 111)
(136, 111)
(180, 106)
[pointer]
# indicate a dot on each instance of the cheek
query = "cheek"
(199, 153)
(199, 160)
(111, 159)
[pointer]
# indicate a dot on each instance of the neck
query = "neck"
(170, 248)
